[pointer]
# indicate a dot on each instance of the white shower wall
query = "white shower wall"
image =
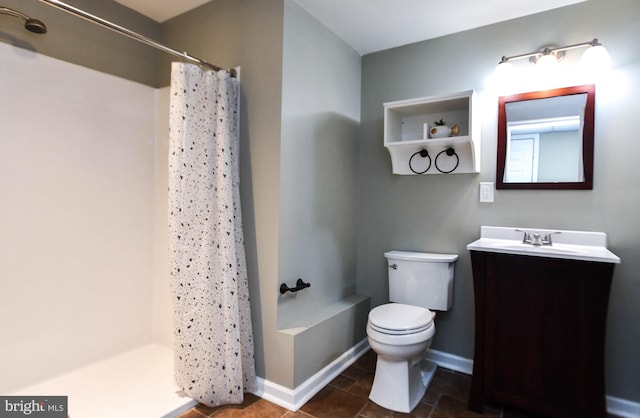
(162, 312)
(81, 217)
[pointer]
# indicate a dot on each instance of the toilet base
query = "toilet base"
(400, 385)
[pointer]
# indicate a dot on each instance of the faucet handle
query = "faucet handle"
(526, 238)
(547, 238)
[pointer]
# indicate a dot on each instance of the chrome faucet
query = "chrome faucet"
(536, 239)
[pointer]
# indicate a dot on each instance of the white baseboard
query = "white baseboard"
(450, 361)
(293, 399)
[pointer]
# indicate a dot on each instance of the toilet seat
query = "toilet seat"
(396, 332)
(400, 319)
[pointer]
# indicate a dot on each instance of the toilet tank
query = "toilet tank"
(421, 279)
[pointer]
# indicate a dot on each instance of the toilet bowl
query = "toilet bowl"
(401, 332)
(400, 335)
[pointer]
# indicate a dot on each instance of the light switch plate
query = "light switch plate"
(486, 191)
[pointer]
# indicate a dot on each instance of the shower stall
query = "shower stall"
(86, 309)
(83, 271)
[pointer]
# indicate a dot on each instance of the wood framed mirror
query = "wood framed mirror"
(545, 139)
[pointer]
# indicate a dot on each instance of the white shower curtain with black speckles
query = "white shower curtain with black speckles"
(214, 360)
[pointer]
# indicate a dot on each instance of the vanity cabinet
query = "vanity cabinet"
(406, 134)
(540, 333)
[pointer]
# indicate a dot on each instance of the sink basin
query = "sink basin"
(521, 246)
(572, 245)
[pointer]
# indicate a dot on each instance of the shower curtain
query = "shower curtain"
(213, 337)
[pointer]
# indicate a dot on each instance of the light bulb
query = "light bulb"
(547, 62)
(503, 76)
(504, 69)
(596, 60)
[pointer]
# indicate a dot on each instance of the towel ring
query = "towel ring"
(449, 151)
(424, 154)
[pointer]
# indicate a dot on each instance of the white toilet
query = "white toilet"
(401, 332)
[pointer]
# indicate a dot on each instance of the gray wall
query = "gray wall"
(318, 193)
(560, 156)
(319, 165)
(75, 40)
(442, 213)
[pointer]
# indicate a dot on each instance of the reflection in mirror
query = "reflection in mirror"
(545, 139)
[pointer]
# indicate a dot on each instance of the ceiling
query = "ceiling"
(374, 25)
(161, 10)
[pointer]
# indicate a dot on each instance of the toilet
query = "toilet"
(401, 332)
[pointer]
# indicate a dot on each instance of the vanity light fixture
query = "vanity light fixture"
(595, 56)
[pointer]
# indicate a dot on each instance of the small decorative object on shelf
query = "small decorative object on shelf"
(441, 130)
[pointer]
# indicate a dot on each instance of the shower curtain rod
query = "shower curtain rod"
(131, 34)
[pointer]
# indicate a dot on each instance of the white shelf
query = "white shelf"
(431, 142)
(404, 134)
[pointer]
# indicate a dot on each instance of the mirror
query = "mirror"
(545, 139)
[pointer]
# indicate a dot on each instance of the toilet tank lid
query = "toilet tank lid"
(417, 256)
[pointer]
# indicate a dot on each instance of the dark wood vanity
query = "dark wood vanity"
(540, 333)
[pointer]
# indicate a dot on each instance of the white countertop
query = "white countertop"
(571, 245)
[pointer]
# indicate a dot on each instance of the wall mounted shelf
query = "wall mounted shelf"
(405, 134)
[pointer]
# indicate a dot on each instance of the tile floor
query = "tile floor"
(347, 396)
